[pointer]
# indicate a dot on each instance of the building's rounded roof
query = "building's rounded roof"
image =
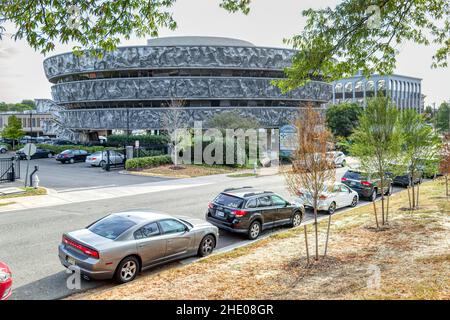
(198, 41)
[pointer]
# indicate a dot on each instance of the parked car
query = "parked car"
(72, 156)
(250, 211)
(40, 153)
(338, 157)
(3, 148)
(99, 158)
(405, 179)
(332, 197)
(27, 139)
(368, 186)
(122, 244)
(5, 281)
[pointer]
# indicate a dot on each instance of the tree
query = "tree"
(92, 24)
(443, 117)
(25, 105)
(420, 145)
(376, 142)
(232, 120)
(343, 118)
(312, 170)
(13, 130)
(173, 121)
(444, 166)
(363, 35)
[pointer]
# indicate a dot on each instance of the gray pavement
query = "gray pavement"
(67, 177)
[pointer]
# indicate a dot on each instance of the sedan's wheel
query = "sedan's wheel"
(127, 270)
(354, 201)
(102, 163)
(49, 155)
(332, 208)
(296, 219)
(373, 196)
(207, 246)
(72, 160)
(254, 230)
(389, 190)
(3, 150)
(344, 163)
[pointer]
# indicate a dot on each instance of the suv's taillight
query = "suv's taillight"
(87, 251)
(366, 183)
(240, 213)
(210, 205)
(343, 179)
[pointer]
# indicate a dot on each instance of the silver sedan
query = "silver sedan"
(122, 244)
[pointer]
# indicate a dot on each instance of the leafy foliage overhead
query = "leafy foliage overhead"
(92, 24)
(342, 118)
(363, 35)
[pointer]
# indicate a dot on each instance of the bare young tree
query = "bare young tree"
(312, 170)
(444, 166)
(172, 121)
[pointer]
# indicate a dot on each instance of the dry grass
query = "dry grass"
(411, 254)
(187, 171)
(28, 192)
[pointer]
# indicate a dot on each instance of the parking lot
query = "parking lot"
(68, 177)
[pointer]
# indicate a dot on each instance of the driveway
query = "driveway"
(69, 177)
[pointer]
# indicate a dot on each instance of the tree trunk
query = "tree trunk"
(376, 216)
(409, 197)
(307, 247)
(417, 197)
(316, 232)
(383, 219)
(446, 184)
(387, 208)
(413, 192)
(328, 234)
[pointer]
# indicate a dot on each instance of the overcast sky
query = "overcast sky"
(269, 21)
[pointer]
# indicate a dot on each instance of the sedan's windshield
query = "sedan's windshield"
(112, 226)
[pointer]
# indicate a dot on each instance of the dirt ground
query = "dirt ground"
(408, 259)
(185, 171)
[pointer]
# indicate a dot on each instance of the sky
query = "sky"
(267, 24)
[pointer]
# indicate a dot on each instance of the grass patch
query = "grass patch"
(186, 171)
(28, 192)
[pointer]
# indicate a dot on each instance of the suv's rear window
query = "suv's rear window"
(354, 175)
(229, 201)
(112, 226)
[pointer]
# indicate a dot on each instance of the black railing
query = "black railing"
(9, 169)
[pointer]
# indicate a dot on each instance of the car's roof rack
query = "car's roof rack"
(232, 189)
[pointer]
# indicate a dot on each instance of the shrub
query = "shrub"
(147, 162)
(59, 149)
(156, 141)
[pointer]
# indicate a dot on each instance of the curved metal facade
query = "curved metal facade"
(94, 92)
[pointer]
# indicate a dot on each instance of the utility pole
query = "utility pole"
(31, 126)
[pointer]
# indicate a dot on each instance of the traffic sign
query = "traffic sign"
(29, 149)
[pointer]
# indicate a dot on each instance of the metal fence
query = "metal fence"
(9, 169)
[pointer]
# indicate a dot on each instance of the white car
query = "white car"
(332, 197)
(338, 158)
(99, 158)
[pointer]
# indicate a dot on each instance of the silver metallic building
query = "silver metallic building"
(405, 91)
(131, 87)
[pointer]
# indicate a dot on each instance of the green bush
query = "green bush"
(59, 149)
(147, 162)
(119, 140)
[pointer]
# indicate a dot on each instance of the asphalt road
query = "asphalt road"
(67, 177)
(29, 239)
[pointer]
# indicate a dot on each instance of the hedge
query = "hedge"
(147, 162)
(118, 140)
(59, 149)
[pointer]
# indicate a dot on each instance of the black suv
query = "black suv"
(247, 210)
(368, 186)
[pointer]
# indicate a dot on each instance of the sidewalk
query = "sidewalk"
(54, 198)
